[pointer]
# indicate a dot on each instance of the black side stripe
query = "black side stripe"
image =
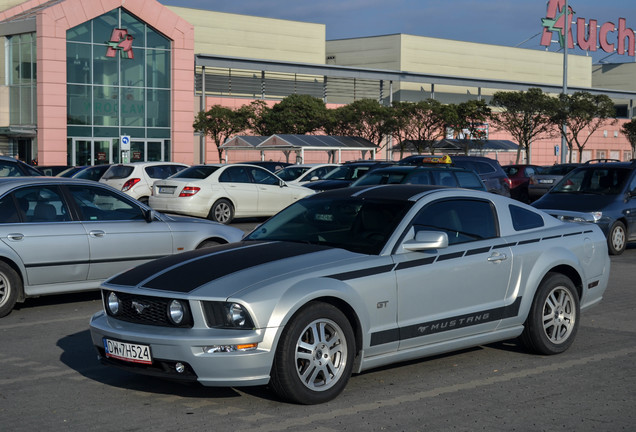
(415, 263)
(356, 274)
(446, 324)
(101, 261)
(444, 257)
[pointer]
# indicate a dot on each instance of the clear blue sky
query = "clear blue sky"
(498, 22)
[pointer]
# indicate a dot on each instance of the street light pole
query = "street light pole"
(565, 76)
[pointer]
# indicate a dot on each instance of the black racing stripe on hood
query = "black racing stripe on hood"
(192, 274)
(142, 272)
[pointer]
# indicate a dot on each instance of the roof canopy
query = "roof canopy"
(465, 146)
(300, 143)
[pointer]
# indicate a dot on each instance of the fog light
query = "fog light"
(179, 367)
(229, 348)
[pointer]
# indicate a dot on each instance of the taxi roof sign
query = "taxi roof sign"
(446, 159)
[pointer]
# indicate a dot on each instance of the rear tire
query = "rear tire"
(314, 358)
(617, 238)
(222, 211)
(554, 316)
(10, 286)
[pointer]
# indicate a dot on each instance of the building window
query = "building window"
(118, 78)
(21, 51)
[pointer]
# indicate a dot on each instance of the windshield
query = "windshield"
(347, 173)
(358, 225)
(196, 172)
(381, 177)
(291, 173)
(558, 169)
(597, 180)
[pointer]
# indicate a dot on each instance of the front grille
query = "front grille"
(145, 310)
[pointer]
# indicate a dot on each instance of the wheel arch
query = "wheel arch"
(321, 290)
(11, 263)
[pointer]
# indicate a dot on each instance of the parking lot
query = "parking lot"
(50, 379)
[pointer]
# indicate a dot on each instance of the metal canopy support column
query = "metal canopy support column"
(203, 106)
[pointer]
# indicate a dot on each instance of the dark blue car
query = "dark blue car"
(606, 191)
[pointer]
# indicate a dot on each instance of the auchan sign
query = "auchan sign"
(589, 35)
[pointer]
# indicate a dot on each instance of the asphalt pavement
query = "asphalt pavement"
(50, 379)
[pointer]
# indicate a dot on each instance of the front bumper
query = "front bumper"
(178, 345)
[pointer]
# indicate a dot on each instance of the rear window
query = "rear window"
(118, 172)
(196, 172)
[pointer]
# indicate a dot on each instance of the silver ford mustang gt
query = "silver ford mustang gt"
(353, 279)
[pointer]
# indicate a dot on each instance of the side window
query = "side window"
(464, 220)
(263, 176)
(236, 174)
(523, 219)
(469, 180)
(97, 204)
(8, 210)
(632, 184)
(42, 204)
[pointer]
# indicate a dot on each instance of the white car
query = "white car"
(303, 173)
(136, 178)
(222, 192)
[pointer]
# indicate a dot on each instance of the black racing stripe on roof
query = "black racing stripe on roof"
(142, 272)
(192, 274)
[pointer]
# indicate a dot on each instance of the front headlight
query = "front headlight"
(227, 315)
(113, 303)
(176, 312)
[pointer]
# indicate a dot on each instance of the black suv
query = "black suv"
(600, 192)
(346, 174)
(489, 170)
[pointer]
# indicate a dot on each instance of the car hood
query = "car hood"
(580, 202)
(321, 185)
(224, 271)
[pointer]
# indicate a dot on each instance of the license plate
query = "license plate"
(166, 190)
(127, 351)
(546, 181)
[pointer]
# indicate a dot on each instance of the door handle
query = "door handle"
(15, 236)
(97, 233)
(497, 257)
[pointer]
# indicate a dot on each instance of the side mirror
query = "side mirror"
(426, 240)
(149, 215)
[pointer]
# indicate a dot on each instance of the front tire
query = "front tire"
(10, 285)
(617, 238)
(314, 358)
(554, 316)
(222, 211)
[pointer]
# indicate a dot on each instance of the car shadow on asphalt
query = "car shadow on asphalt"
(79, 354)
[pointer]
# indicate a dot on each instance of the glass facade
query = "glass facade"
(21, 60)
(118, 83)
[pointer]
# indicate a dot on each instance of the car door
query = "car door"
(119, 236)
(239, 187)
(456, 291)
(272, 197)
(52, 246)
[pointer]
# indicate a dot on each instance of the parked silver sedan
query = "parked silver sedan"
(352, 279)
(62, 235)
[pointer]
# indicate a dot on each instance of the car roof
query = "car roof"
(7, 183)
(397, 192)
(426, 167)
